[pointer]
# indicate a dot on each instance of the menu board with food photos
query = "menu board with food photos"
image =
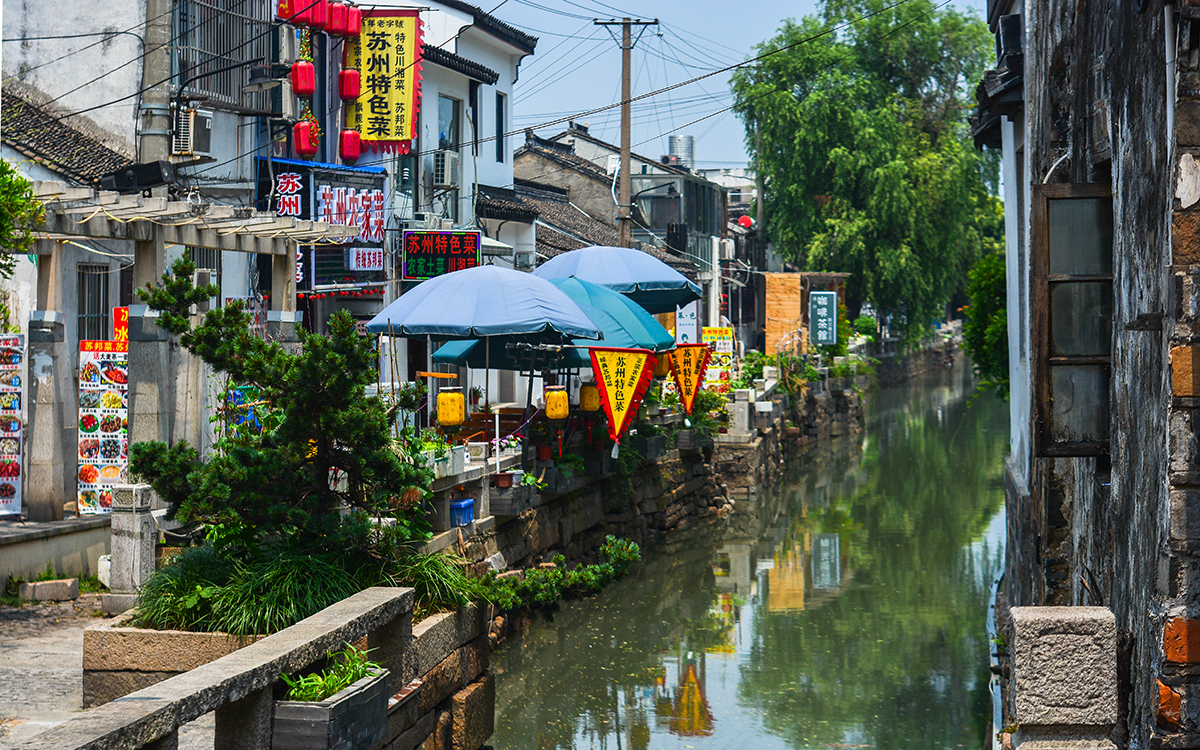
(103, 422)
(12, 392)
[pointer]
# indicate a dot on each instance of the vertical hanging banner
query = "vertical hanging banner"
(623, 376)
(12, 422)
(388, 57)
(688, 362)
(103, 422)
(121, 324)
(719, 372)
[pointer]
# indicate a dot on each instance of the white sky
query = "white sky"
(577, 66)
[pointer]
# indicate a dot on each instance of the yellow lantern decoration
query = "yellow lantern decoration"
(451, 407)
(662, 368)
(558, 404)
(589, 397)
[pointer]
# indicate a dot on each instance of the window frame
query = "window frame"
(92, 308)
(501, 119)
(1041, 283)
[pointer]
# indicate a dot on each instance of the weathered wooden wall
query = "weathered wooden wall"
(783, 307)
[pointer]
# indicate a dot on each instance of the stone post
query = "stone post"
(1064, 677)
(245, 724)
(51, 430)
(134, 534)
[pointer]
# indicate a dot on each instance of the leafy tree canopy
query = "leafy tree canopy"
(283, 476)
(858, 126)
(20, 213)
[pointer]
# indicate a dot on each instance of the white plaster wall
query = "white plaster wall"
(118, 58)
(1017, 288)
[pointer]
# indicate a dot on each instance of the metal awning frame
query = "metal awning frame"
(83, 213)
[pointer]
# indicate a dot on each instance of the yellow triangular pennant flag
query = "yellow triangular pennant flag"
(622, 375)
(688, 362)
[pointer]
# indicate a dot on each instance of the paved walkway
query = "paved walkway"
(41, 670)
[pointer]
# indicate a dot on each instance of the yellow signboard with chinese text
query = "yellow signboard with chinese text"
(387, 56)
(623, 376)
(688, 362)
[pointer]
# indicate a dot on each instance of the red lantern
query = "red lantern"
(337, 18)
(350, 145)
(304, 77)
(285, 10)
(318, 14)
(305, 138)
(353, 21)
(349, 84)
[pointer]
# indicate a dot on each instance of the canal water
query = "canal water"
(843, 609)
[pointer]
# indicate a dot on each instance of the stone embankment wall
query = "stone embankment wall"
(896, 370)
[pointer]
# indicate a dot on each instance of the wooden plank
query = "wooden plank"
(442, 375)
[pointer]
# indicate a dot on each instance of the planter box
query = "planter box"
(477, 452)
(458, 460)
(653, 447)
(354, 719)
(687, 440)
(502, 479)
(512, 501)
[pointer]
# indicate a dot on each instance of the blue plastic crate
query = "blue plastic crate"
(462, 512)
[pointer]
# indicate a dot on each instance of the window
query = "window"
(215, 34)
(92, 303)
(501, 141)
(448, 124)
(1071, 259)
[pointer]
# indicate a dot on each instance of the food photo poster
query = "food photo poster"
(103, 423)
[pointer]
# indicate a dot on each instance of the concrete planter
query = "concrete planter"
(119, 660)
(477, 452)
(512, 500)
(685, 440)
(354, 719)
(458, 460)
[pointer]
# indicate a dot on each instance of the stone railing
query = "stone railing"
(438, 681)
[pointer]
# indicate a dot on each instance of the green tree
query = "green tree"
(20, 213)
(985, 329)
(318, 426)
(857, 123)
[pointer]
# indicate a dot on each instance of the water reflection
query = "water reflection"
(844, 609)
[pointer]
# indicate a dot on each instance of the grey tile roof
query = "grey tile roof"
(485, 20)
(460, 64)
(68, 146)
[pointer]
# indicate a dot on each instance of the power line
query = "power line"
(94, 44)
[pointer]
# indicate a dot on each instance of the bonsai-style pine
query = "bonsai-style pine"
(318, 444)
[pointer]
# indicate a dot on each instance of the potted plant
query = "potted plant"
(502, 479)
(476, 395)
(343, 706)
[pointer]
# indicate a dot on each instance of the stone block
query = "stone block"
(416, 735)
(1185, 514)
(473, 712)
(1064, 666)
(101, 687)
(133, 538)
(1185, 371)
(440, 683)
(474, 658)
(436, 637)
(62, 590)
(115, 604)
(1184, 445)
(111, 647)
(1061, 738)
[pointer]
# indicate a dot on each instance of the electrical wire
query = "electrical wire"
(94, 44)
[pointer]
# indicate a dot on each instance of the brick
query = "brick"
(1064, 666)
(1185, 237)
(1168, 708)
(1183, 443)
(1185, 514)
(473, 713)
(1185, 371)
(1181, 641)
(1187, 123)
(62, 590)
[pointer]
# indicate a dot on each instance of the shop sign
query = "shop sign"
(822, 317)
(432, 253)
(103, 423)
(720, 364)
(388, 57)
(366, 259)
(687, 323)
(12, 422)
(120, 324)
(688, 362)
(623, 375)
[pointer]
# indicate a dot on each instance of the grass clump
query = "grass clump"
(544, 588)
(346, 667)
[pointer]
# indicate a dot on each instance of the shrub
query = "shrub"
(346, 667)
(865, 325)
(544, 588)
(179, 596)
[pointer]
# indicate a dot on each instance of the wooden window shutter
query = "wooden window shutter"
(1071, 256)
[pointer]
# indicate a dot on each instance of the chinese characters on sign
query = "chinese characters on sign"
(622, 376)
(720, 342)
(120, 324)
(429, 254)
(822, 318)
(352, 208)
(688, 362)
(103, 422)
(12, 421)
(388, 57)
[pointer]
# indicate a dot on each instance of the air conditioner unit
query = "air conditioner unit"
(201, 277)
(727, 249)
(445, 169)
(193, 133)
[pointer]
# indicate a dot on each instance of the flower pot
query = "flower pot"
(545, 453)
(503, 479)
(354, 719)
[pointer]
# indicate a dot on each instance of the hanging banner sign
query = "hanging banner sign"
(688, 362)
(388, 58)
(623, 376)
(822, 317)
(103, 423)
(12, 422)
(433, 253)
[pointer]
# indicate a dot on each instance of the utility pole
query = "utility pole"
(624, 207)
